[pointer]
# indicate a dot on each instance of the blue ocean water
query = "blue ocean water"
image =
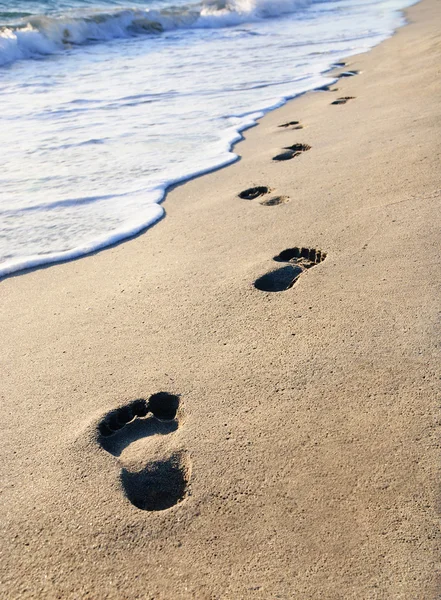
(106, 103)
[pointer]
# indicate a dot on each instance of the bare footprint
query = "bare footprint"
(343, 100)
(292, 152)
(326, 88)
(254, 192)
(163, 481)
(292, 125)
(274, 201)
(262, 191)
(298, 260)
(349, 73)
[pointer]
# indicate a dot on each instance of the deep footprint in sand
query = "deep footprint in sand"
(262, 192)
(292, 152)
(163, 481)
(343, 100)
(254, 192)
(298, 260)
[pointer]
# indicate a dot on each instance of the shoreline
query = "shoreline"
(303, 452)
(21, 266)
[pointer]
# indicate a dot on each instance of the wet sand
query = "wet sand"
(297, 446)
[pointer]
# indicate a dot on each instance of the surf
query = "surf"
(36, 36)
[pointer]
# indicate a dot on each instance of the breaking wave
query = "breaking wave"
(38, 36)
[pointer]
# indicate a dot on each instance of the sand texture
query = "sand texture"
(294, 452)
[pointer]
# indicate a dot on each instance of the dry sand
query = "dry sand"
(307, 428)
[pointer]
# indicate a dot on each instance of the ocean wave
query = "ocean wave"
(39, 36)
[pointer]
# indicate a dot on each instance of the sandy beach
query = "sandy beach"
(294, 451)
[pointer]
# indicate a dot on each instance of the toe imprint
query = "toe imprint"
(308, 257)
(292, 152)
(259, 192)
(163, 482)
(298, 148)
(164, 406)
(255, 192)
(343, 100)
(298, 259)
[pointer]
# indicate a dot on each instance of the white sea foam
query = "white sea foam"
(129, 229)
(93, 137)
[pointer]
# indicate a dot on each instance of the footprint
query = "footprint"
(292, 125)
(292, 152)
(254, 192)
(298, 259)
(343, 100)
(163, 482)
(274, 201)
(298, 148)
(349, 73)
(326, 88)
(262, 190)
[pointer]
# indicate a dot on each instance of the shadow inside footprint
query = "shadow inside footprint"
(134, 431)
(299, 259)
(160, 485)
(286, 156)
(292, 152)
(279, 280)
(253, 193)
(292, 125)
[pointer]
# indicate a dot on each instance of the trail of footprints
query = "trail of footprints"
(352, 73)
(163, 482)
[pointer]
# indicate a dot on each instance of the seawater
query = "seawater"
(104, 104)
